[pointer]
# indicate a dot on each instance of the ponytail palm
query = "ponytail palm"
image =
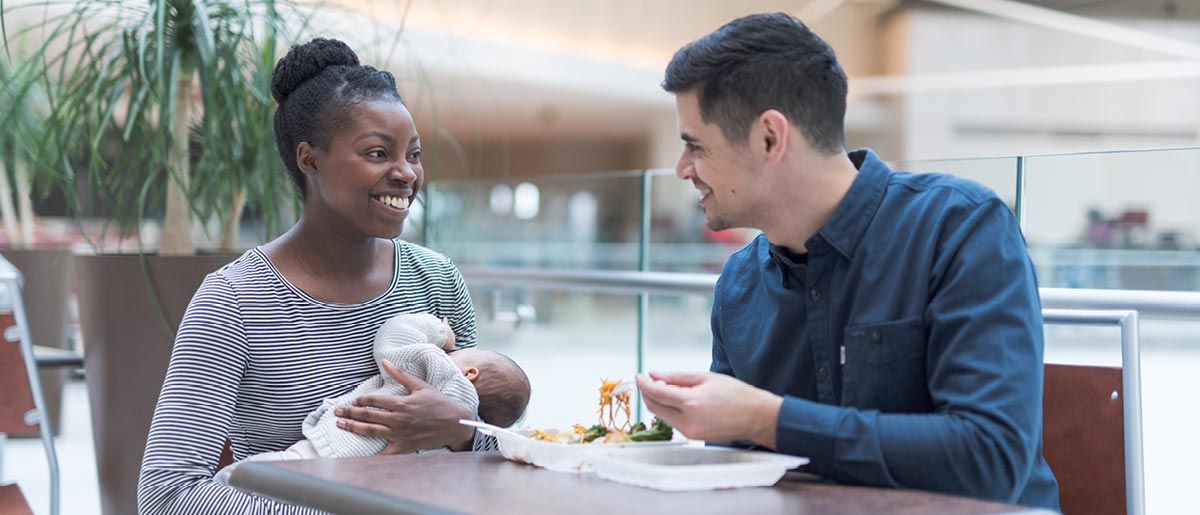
(22, 110)
(183, 85)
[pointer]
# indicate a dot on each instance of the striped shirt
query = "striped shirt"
(254, 355)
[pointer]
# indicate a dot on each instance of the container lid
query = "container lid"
(694, 468)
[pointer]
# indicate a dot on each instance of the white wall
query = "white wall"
(996, 121)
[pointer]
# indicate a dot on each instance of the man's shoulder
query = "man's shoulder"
(945, 188)
(743, 266)
(748, 256)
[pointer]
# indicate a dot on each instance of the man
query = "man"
(885, 325)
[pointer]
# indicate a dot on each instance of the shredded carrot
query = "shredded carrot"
(610, 407)
(618, 403)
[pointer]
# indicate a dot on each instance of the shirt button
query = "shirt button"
(814, 294)
(823, 373)
(876, 336)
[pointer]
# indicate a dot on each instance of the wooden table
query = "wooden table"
(486, 483)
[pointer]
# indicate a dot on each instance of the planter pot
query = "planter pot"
(46, 293)
(128, 347)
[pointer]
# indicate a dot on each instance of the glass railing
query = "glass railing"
(1118, 220)
(591, 221)
(1115, 220)
(566, 346)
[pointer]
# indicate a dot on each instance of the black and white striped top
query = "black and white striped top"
(254, 355)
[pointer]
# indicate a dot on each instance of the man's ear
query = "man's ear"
(770, 134)
(306, 158)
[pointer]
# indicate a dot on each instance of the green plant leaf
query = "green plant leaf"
(110, 68)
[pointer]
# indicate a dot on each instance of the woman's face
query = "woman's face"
(369, 174)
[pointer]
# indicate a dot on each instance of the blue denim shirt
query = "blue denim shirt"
(907, 345)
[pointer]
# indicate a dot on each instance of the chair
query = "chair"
(1091, 423)
(18, 414)
(12, 502)
(1083, 437)
(16, 402)
(226, 458)
(22, 407)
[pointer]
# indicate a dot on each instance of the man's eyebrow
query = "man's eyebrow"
(688, 137)
(377, 134)
(414, 139)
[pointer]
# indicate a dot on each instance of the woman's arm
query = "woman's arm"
(423, 419)
(192, 418)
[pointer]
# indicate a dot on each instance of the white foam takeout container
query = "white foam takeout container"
(694, 468)
(563, 457)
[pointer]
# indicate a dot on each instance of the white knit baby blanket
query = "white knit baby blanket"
(413, 344)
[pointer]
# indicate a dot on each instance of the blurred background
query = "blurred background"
(549, 145)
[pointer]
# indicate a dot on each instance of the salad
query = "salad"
(612, 426)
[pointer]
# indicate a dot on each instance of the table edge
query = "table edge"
(289, 486)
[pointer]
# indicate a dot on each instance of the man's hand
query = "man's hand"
(423, 419)
(712, 407)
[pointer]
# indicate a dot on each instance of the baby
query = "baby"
(490, 383)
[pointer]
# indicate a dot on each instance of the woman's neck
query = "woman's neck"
(332, 265)
(333, 252)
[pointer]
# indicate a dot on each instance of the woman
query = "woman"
(290, 323)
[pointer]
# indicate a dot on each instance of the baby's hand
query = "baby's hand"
(449, 335)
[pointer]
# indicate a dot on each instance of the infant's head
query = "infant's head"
(502, 386)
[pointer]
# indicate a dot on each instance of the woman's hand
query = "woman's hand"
(423, 419)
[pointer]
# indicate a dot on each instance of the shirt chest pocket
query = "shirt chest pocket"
(885, 366)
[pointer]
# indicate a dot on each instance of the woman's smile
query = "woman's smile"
(392, 204)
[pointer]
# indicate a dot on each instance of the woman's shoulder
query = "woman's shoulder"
(417, 258)
(249, 270)
(412, 252)
(424, 267)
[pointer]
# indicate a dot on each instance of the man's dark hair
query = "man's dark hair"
(316, 85)
(503, 390)
(761, 62)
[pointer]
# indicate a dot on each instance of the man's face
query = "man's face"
(718, 169)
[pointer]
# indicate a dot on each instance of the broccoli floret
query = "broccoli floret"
(594, 432)
(658, 432)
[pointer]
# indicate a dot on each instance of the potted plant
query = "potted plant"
(167, 103)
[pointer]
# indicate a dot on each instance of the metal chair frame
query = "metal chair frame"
(11, 280)
(1131, 384)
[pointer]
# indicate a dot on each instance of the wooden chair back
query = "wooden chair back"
(12, 502)
(16, 397)
(1083, 437)
(226, 456)
(16, 403)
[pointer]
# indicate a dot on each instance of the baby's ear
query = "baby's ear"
(471, 374)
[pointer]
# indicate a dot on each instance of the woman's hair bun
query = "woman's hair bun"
(306, 61)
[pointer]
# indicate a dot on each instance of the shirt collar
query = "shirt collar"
(854, 213)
